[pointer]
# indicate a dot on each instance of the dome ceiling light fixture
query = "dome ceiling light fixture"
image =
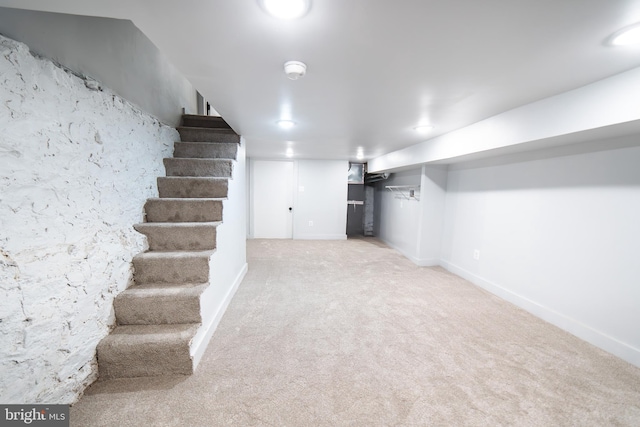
(286, 9)
(423, 128)
(626, 36)
(286, 124)
(295, 69)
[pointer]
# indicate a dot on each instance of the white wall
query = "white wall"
(398, 221)
(228, 264)
(321, 198)
(76, 166)
(112, 51)
(413, 227)
(433, 190)
(558, 237)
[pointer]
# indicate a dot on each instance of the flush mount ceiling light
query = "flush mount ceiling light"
(286, 9)
(286, 124)
(423, 128)
(289, 152)
(360, 153)
(627, 36)
(295, 69)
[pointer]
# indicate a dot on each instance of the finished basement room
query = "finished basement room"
(319, 213)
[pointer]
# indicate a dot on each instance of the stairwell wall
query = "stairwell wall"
(113, 52)
(228, 264)
(76, 166)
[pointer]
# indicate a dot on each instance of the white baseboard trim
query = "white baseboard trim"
(422, 262)
(201, 340)
(568, 324)
(320, 237)
(426, 262)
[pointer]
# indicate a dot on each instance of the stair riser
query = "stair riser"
(156, 310)
(197, 238)
(205, 122)
(205, 150)
(148, 360)
(180, 270)
(207, 135)
(198, 167)
(192, 187)
(159, 210)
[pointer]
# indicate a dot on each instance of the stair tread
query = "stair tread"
(165, 285)
(199, 159)
(205, 142)
(187, 199)
(137, 334)
(206, 129)
(202, 116)
(152, 289)
(205, 178)
(178, 224)
(174, 254)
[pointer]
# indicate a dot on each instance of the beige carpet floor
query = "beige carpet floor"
(350, 333)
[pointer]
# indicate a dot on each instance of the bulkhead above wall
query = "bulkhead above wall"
(113, 52)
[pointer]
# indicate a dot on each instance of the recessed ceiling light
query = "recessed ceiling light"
(360, 153)
(423, 128)
(286, 9)
(286, 124)
(627, 36)
(289, 152)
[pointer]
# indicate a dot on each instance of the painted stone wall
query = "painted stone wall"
(76, 165)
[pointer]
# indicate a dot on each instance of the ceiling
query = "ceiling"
(376, 68)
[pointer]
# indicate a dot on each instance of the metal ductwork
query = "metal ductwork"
(370, 178)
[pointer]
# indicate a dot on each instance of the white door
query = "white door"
(272, 198)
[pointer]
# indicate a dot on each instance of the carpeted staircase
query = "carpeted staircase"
(158, 317)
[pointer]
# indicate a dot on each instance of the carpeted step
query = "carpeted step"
(179, 236)
(192, 120)
(199, 167)
(183, 210)
(205, 150)
(197, 134)
(146, 350)
(192, 187)
(159, 303)
(172, 267)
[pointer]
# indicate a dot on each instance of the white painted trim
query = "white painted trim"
(421, 262)
(200, 342)
(321, 237)
(568, 324)
(427, 262)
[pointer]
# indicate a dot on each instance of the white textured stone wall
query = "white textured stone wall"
(76, 165)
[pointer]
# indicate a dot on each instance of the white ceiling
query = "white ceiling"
(375, 68)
